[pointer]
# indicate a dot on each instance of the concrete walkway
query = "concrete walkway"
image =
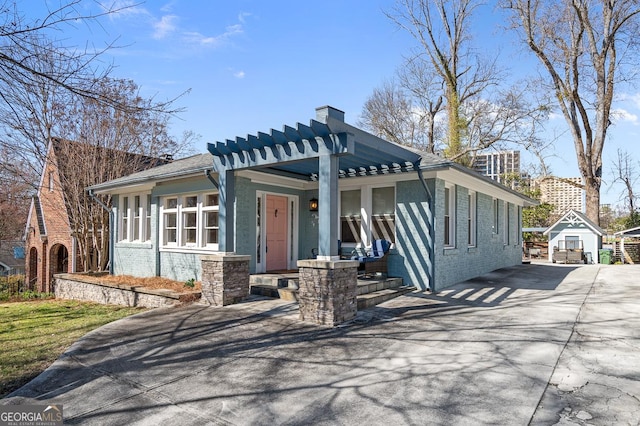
(532, 344)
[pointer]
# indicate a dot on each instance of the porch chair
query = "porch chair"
(373, 260)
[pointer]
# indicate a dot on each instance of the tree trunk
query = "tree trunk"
(592, 189)
(453, 109)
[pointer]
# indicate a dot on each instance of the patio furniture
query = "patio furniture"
(373, 260)
(569, 251)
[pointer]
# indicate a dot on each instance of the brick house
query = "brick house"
(323, 188)
(50, 246)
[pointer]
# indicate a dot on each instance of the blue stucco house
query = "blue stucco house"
(320, 189)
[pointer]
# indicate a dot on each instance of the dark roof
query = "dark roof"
(8, 251)
(133, 161)
(632, 232)
(98, 160)
(42, 229)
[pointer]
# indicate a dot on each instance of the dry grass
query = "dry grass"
(155, 283)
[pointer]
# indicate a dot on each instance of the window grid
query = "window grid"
(191, 221)
(170, 222)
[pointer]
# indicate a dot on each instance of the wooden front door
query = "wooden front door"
(276, 232)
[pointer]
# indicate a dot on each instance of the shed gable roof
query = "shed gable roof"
(631, 232)
(575, 218)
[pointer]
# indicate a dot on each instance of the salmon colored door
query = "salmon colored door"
(276, 233)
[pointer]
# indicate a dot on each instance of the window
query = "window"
(367, 213)
(496, 221)
(189, 215)
(135, 217)
(505, 228)
(210, 214)
(519, 226)
(383, 216)
(350, 216)
(125, 219)
(449, 216)
(170, 221)
(471, 220)
(190, 221)
(572, 242)
(147, 220)
(50, 181)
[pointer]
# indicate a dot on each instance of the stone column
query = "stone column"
(225, 279)
(328, 290)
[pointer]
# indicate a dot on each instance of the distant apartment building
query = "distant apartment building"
(497, 164)
(564, 193)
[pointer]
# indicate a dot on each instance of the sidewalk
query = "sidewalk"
(501, 349)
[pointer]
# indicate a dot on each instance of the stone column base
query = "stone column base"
(328, 291)
(225, 279)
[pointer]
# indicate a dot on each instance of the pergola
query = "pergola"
(324, 151)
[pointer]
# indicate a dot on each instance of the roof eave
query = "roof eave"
(107, 187)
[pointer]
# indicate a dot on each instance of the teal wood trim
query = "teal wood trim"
(266, 152)
(227, 195)
(328, 206)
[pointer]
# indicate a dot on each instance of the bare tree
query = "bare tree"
(23, 43)
(50, 92)
(626, 172)
(579, 43)
(41, 78)
(441, 27)
(445, 77)
(392, 113)
(15, 196)
(108, 143)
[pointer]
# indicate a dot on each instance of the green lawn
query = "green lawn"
(33, 334)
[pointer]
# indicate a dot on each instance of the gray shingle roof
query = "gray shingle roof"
(177, 168)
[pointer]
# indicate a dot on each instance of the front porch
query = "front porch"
(371, 291)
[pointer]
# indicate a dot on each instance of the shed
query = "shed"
(574, 234)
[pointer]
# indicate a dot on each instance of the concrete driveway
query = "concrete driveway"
(532, 344)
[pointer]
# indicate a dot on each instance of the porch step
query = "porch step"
(369, 286)
(370, 292)
(274, 280)
(375, 298)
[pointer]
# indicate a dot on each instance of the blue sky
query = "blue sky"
(252, 65)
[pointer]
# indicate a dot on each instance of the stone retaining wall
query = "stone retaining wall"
(79, 287)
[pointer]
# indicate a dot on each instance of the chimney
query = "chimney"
(325, 112)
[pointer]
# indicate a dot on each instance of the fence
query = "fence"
(11, 285)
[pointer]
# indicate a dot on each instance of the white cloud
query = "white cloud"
(125, 9)
(620, 114)
(167, 7)
(239, 74)
(633, 98)
(165, 26)
(198, 38)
